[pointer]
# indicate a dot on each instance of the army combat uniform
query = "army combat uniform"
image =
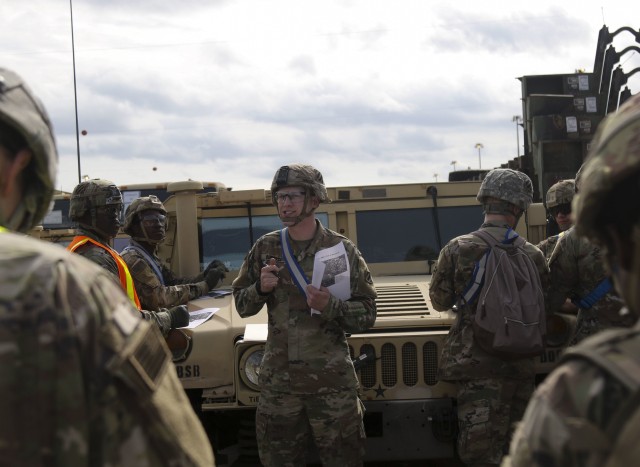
(156, 285)
(102, 258)
(573, 418)
(576, 269)
(306, 364)
(547, 245)
(492, 392)
(84, 380)
(587, 411)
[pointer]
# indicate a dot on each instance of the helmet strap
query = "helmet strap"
(94, 226)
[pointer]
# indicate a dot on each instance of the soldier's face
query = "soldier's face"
(562, 216)
(153, 224)
(290, 202)
(108, 219)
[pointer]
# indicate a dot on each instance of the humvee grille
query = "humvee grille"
(410, 368)
(406, 299)
(409, 364)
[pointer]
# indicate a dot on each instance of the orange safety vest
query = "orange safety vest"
(126, 281)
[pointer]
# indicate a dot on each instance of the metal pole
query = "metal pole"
(479, 146)
(75, 92)
(518, 145)
(518, 119)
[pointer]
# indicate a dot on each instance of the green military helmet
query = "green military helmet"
(507, 185)
(299, 175)
(138, 205)
(614, 157)
(561, 192)
(92, 194)
(21, 110)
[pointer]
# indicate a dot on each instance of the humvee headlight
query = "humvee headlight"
(250, 366)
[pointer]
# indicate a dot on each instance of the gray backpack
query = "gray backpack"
(509, 319)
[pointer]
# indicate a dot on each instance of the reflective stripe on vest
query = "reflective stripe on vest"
(126, 281)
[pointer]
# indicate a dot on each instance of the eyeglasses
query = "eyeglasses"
(294, 196)
(561, 208)
(152, 219)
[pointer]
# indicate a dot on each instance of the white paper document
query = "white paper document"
(331, 270)
(196, 318)
(256, 332)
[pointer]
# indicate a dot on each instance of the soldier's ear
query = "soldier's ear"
(12, 171)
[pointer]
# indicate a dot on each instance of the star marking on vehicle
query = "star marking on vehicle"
(379, 391)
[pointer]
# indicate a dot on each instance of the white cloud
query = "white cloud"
(371, 92)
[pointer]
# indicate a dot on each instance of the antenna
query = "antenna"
(75, 92)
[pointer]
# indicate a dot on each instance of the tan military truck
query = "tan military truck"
(400, 230)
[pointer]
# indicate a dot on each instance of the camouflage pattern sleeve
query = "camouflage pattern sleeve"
(171, 279)
(547, 245)
(152, 294)
(442, 287)
(563, 273)
(359, 312)
(561, 424)
(245, 293)
(538, 258)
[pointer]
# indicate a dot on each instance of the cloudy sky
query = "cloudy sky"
(369, 91)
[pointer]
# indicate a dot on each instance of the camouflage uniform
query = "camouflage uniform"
(307, 365)
(560, 193)
(586, 413)
(563, 422)
(547, 245)
(576, 268)
(492, 392)
(83, 380)
(73, 387)
(103, 259)
(154, 294)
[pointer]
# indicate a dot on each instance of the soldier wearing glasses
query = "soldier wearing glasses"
(308, 383)
(96, 205)
(578, 273)
(157, 287)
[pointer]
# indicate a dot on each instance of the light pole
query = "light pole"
(479, 147)
(453, 163)
(517, 119)
(435, 176)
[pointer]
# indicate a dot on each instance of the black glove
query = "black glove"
(215, 264)
(179, 316)
(215, 275)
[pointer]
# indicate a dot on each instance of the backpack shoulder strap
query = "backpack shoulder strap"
(474, 286)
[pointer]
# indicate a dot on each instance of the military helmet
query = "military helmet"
(614, 156)
(299, 175)
(23, 111)
(143, 203)
(91, 194)
(561, 192)
(507, 185)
